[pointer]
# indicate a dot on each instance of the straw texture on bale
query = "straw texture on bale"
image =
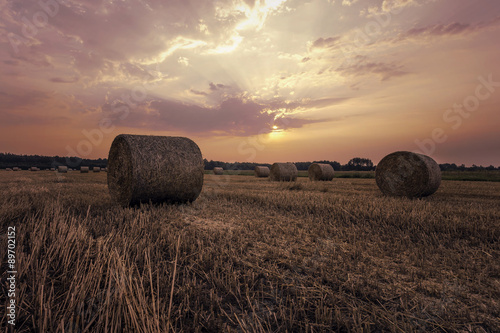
(96, 169)
(408, 174)
(155, 169)
(84, 169)
(218, 171)
(321, 172)
(262, 171)
(62, 169)
(16, 169)
(283, 172)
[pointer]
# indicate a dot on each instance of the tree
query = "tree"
(360, 164)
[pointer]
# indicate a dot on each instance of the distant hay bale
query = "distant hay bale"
(408, 174)
(104, 169)
(33, 169)
(96, 169)
(16, 169)
(84, 169)
(283, 172)
(262, 171)
(155, 169)
(8, 169)
(52, 169)
(62, 169)
(320, 172)
(218, 171)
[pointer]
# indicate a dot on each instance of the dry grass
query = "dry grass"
(253, 255)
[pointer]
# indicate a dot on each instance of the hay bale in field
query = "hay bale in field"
(283, 172)
(33, 169)
(155, 169)
(320, 172)
(84, 169)
(262, 171)
(104, 169)
(96, 169)
(408, 174)
(16, 169)
(218, 171)
(8, 169)
(62, 169)
(52, 169)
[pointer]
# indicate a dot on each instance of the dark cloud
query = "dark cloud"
(451, 29)
(324, 43)
(217, 86)
(11, 62)
(61, 80)
(234, 116)
(361, 65)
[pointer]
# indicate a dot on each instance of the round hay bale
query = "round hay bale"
(33, 169)
(52, 169)
(155, 169)
(262, 171)
(62, 169)
(8, 169)
(218, 171)
(320, 172)
(96, 169)
(283, 172)
(104, 169)
(16, 169)
(408, 174)
(84, 169)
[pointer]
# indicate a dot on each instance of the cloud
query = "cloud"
(235, 116)
(451, 29)
(323, 43)
(217, 86)
(361, 65)
(61, 80)
(348, 2)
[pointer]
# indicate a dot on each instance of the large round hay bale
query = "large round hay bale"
(155, 169)
(262, 171)
(62, 169)
(8, 169)
(218, 171)
(33, 169)
(84, 169)
(320, 172)
(52, 169)
(96, 169)
(408, 174)
(104, 169)
(283, 172)
(16, 169)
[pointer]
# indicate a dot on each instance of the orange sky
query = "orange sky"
(257, 81)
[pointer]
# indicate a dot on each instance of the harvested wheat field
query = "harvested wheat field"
(251, 255)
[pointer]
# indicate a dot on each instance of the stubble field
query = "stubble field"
(250, 255)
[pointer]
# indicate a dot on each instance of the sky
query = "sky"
(254, 81)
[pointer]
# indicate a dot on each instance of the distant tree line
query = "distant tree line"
(358, 164)
(8, 160)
